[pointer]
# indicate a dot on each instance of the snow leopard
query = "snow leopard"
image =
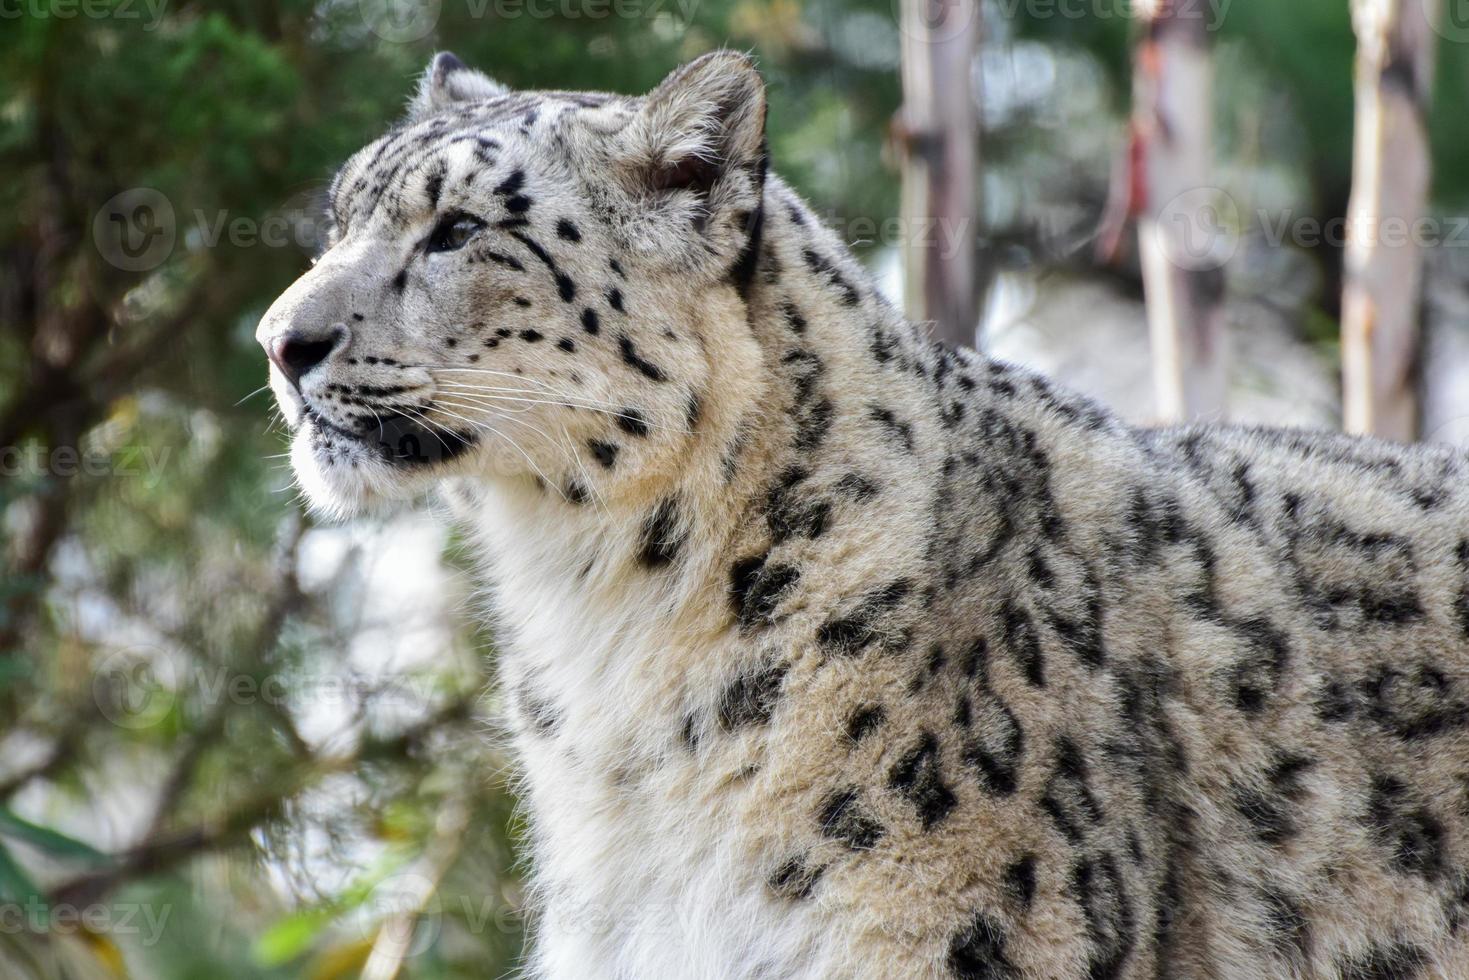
(832, 651)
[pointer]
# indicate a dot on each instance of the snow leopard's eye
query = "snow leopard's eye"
(452, 232)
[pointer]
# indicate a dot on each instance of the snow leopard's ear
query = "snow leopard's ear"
(701, 122)
(448, 80)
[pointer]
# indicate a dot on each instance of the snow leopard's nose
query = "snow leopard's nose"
(297, 351)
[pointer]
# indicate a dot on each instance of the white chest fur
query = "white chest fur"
(639, 870)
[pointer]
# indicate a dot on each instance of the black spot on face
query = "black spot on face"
(614, 299)
(531, 336)
(400, 281)
(512, 183)
(589, 321)
(604, 452)
(631, 357)
(566, 344)
(632, 421)
(566, 231)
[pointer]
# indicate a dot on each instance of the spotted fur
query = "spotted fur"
(835, 652)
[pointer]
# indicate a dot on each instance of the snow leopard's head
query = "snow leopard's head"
(527, 285)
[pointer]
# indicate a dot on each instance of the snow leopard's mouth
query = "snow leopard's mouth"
(397, 439)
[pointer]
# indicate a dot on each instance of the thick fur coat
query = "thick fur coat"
(835, 652)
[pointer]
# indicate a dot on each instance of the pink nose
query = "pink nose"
(295, 353)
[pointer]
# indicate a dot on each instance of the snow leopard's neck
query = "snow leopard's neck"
(624, 621)
(615, 610)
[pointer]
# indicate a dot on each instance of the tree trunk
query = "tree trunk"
(1182, 238)
(938, 133)
(1391, 168)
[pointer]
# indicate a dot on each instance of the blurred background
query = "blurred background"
(234, 743)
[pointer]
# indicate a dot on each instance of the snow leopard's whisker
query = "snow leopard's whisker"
(605, 409)
(543, 389)
(466, 368)
(520, 379)
(515, 445)
(485, 399)
(533, 398)
(264, 387)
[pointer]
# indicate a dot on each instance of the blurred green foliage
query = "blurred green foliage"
(215, 737)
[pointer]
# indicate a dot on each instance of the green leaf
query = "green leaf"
(46, 839)
(15, 885)
(291, 936)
